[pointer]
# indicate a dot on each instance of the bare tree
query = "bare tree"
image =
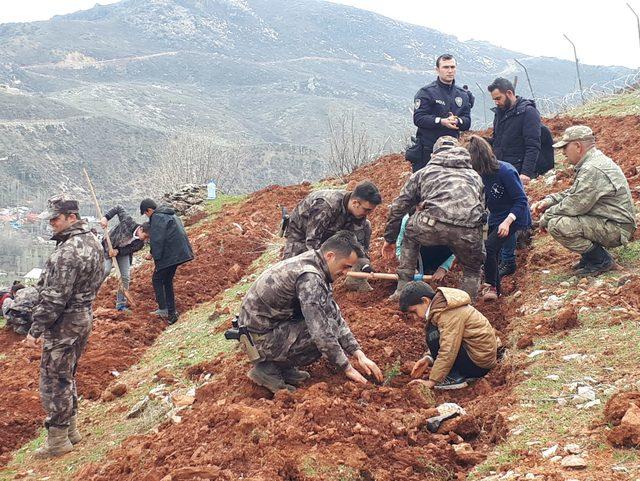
(197, 159)
(350, 146)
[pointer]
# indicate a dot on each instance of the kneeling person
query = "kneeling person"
(462, 343)
(293, 319)
(597, 211)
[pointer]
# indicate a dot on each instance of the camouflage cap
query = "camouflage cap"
(445, 142)
(60, 205)
(576, 132)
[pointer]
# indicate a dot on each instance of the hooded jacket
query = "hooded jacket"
(460, 324)
(169, 242)
(446, 190)
(516, 135)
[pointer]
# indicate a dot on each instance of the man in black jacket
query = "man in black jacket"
(440, 108)
(126, 238)
(515, 139)
(170, 247)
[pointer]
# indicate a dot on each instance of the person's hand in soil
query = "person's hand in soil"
(31, 341)
(426, 383)
(388, 250)
(354, 375)
(421, 366)
(438, 275)
(148, 257)
(367, 366)
(539, 207)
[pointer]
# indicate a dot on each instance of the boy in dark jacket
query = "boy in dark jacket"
(170, 247)
(126, 238)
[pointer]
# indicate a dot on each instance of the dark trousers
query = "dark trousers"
(163, 286)
(463, 364)
(433, 257)
(493, 245)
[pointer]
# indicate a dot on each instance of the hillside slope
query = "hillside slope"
(564, 335)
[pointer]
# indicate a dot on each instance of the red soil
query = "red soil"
(119, 340)
(238, 431)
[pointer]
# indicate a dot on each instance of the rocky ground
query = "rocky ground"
(553, 409)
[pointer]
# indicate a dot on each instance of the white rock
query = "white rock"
(547, 453)
(573, 449)
(573, 462)
(572, 357)
(536, 353)
(610, 391)
(546, 271)
(555, 459)
(587, 393)
(553, 302)
(530, 476)
(553, 377)
(561, 401)
(590, 404)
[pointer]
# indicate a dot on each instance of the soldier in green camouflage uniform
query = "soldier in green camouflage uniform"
(20, 313)
(63, 317)
(597, 211)
(293, 319)
(324, 212)
(448, 198)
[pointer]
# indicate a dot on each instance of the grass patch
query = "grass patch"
(627, 103)
(189, 342)
(3, 322)
(628, 255)
(612, 355)
(339, 472)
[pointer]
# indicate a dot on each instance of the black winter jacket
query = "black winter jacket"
(169, 242)
(438, 100)
(516, 135)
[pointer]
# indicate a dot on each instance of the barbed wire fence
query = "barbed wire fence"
(559, 105)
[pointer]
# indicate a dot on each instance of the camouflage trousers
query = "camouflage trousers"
(19, 321)
(63, 346)
(290, 343)
(580, 233)
(466, 243)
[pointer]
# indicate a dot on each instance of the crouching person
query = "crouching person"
(293, 320)
(462, 343)
(19, 313)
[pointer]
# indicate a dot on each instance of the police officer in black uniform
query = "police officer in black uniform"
(440, 108)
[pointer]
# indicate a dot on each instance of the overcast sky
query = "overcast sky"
(604, 32)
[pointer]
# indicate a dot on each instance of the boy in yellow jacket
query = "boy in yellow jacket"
(462, 343)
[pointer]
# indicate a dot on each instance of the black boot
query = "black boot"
(506, 269)
(597, 261)
(579, 265)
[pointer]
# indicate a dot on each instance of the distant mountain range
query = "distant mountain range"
(107, 88)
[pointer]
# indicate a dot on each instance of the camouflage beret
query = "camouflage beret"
(445, 142)
(58, 205)
(577, 132)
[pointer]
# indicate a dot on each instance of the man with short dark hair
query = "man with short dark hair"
(293, 319)
(516, 140)
(597, 211)
(440, 108)
(126, 238)
(324, 212)
(63, 316)
(170, 248)
(461, 342)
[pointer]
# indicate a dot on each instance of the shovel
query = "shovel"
(125, 292)
(373, 276)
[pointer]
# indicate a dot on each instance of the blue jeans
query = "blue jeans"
(508, 252)
(124, 263)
